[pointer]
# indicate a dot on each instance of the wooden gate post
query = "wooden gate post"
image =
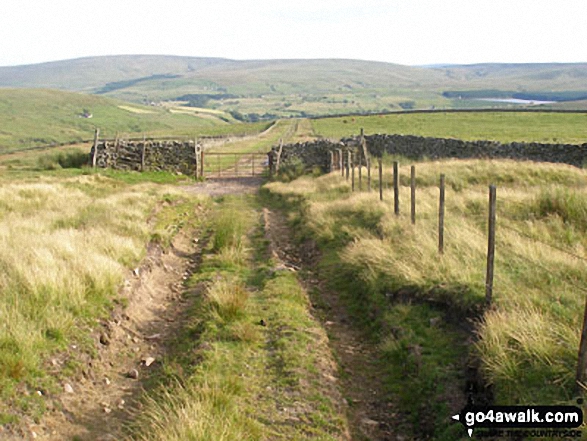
(196, 154)
(202, 162)
(95, 154)
(490, 245)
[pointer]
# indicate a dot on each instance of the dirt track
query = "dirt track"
(106, 396)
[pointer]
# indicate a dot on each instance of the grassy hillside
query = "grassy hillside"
(32, 117)
(293, 87)
(498, 126)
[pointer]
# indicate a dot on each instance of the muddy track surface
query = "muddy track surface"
(371, 415)
(130, 345)
(105, 396)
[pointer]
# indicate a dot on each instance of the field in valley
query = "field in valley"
(494, 126)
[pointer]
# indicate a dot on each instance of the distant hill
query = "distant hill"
(36, 117)
(254, 89)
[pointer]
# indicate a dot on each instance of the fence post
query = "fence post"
(331, 166)
(196, 157)
(143, 155)
(396, 188)
(253, 164)
(236, 166)
(380, 180)
(413, 193)
(202, 162)
(441, 217)
(340, 162)
(582, 363)
(95, 155)
(369, 174)
(348, 164)
(353, 172)
(360, 174)
(278, 162)
(490, 245)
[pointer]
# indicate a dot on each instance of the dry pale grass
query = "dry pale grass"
(64, 248)
(529, 341)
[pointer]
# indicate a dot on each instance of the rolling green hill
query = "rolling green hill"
(283, 88)
(33, 117)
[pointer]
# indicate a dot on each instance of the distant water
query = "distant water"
(517, 101)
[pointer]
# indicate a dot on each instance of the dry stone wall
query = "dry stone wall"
(317, 154)
(172, 156)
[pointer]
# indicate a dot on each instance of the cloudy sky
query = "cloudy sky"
(412, 32)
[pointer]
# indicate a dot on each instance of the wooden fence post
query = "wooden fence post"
(582, 363)
(396, 188)
(331, 166)
(236, 166)
(340, 162)
(143, 156)
(441, 217)
(278, 162)
(490, 245)
(202, 162)
(348, 164)
(353, 173)
(360, 174)
(413, 193)
(196, 157)
(380, 180)
(369, 175)
(95, 155)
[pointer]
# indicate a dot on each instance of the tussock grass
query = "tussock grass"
(528, 342)
(64, 248)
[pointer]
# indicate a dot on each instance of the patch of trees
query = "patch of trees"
(407, 105)
(202, 99)
(252, 117)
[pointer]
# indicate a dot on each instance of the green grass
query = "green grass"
(229, 377)
(67, 243)
(526, 344)
(503, 127)
(40, 117)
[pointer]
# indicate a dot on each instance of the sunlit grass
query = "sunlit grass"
(65, 246)
(528, 342)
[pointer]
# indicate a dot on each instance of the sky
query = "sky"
(410, 32)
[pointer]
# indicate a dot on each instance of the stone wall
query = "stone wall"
(172, 156)
(416, 147)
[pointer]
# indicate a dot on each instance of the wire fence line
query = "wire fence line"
(490, 224)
